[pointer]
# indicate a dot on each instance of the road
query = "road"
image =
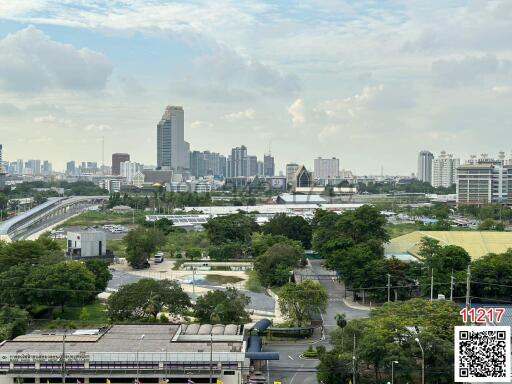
(291, 368)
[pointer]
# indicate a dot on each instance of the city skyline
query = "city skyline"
(438, 86)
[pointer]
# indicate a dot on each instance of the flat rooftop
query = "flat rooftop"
(127, 338)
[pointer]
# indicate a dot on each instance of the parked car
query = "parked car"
(159, 257)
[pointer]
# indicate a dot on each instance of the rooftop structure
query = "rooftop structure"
(476, 243)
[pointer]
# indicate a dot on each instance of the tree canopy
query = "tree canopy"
(236, 228)
(144, 299)
(222, 307)
(274, 266)
(298, 302)
(140, 244)
(292, 227)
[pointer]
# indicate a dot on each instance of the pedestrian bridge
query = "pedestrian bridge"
(46, 214)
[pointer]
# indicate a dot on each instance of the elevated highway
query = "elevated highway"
(46, 214)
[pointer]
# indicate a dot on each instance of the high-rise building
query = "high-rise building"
(128, 170)
(444, 172)
(71, 168)
(238, 162)
(325, 169)
(34, 166)
(252, 166)
(19, 167)
(425, 159)
(207, 163)
(291, 169)
(2, 168)
(46, 168)
(172, 149)
(268, 166)
(484, 181)
(117, 159)
(261, 168)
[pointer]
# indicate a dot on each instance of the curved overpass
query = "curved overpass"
(46, 214)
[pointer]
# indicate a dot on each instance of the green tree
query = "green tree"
(493, 275)
(228, 251)
(41, 251)
(222, 306)
(144, 299)
(12, 285)
(298, 302)
(363, 224)
(61, 284)
(231, 228)
(140, 244)
(102, 275)
(165, 225)
(335, 368)
(261, 242)
(292, 227)
(275, 265)
(14, 321)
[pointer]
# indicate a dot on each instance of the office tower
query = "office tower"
(128, 170)
(325, 169)
(484, 181)
(19, 166)
(34, 167)
(261, 168)
(207, 163)
(252, 166)
(117, 159)
(172, 149)
(291, 169)
(46, 168)
(425, 160)
(268, 165)
(71, 168)
(445, 170)
(238, 163)
(2, 169)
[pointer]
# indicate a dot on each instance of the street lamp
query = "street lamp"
(422, 361)
(138, 346)
(393, 371)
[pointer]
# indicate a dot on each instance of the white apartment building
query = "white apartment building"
(129, 169)
(445, 170)
(325, 169)
(291, 170)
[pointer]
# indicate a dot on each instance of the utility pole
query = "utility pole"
(211, 356)
(64, 357)
(432, 285)
(354, 362)
(452, 280)
(468, 292)
(389, 287)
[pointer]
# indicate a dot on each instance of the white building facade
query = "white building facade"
(444, 172)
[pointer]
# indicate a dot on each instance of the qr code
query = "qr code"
(482, 354)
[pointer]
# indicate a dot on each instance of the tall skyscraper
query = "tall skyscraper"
(172, 149)
(425, 159)
(71, 168)
(34, 166)
(207, 163)
(117, 159)
(325, 169)
(46, 168)
(445, 170)
(1, 160)
(252, 166)
(238, 166)
(268, 165)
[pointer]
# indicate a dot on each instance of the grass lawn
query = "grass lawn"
(253, 284)
(90, 218)
(401, 229)
(91, 315)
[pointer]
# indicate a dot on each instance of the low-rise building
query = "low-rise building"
(89, 243)
(145, 353)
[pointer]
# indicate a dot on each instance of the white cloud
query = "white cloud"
(98, 128)
(31, 61)
(51, 119)
(200, 125)
(296, 111)
(502, 89)
(247, 114)
(328, 132)
(352, 106)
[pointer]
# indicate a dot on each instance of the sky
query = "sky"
(369, 82)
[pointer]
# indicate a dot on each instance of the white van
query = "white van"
(159, 257)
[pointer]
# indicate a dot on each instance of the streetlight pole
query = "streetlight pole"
(389, 288)
(138, 346)
(432, 285)
(211, 356)
(354, 362)
(393, 371)
(422, 362)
